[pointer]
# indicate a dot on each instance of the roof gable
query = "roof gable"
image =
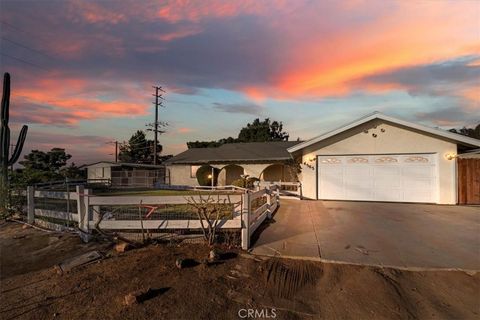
(442, 134)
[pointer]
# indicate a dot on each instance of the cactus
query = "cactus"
(5, 159)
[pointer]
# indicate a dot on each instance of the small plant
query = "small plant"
(245, 182)
(209, 211)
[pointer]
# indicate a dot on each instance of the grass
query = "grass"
(123, 192)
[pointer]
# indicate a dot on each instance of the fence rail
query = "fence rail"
(286, 188)
(243, 211)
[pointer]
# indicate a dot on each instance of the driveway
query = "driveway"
(389, 234)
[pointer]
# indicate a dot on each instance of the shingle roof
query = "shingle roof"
(236, 152)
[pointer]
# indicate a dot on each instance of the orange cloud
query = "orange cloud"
(94, 13)
(184, 130)
(411, 33)
(180, 33)
(74, 99)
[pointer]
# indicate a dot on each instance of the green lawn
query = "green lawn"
(123, 192)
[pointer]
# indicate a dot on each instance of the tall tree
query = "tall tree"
(138, 149)
(40, 166)
(51, 160)
(262, 131)
(257, 131)
(469, 132)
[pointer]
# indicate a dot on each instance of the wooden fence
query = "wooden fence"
(85, 212)
(468, 181)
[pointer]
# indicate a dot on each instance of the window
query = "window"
(193, 171)
(99, 172)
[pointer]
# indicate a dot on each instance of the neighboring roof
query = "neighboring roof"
(236, 152)
(471, 154)
(447, 135)
(123, 164)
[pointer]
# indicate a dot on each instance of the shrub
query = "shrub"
(245, 183)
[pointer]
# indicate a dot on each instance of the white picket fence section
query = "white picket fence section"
(244, 217)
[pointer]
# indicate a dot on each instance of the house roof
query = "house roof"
(236, 152)
(443, 134)
(123, 164)
(470, 154)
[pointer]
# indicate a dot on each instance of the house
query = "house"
(382, 158)
(119, 174)
(267, 161)
(374, 158)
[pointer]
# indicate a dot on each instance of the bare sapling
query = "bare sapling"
(209, 212)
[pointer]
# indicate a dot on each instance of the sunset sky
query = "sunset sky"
(82, 72)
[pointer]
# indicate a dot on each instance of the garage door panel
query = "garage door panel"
(331, 184)
(416, 172)
(389, 194)
(403, 178)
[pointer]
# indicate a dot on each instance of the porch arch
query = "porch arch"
(278, 172)
(230, 173)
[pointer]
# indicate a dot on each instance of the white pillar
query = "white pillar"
(31, 204)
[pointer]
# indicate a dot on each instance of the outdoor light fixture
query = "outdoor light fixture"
(209, 176)
(450, 156)
(309, 161)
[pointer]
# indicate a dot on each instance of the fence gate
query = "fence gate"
(469, 181)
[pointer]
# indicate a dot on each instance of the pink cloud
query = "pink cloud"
(184, 130)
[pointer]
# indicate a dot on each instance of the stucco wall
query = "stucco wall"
(394, 139)
(180, 175)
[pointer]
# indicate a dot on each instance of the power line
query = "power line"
(26, 47)
(11, 26)
(21, 60)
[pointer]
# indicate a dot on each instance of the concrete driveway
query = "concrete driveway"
(389, 234)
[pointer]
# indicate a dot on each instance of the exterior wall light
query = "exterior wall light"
(450, 156)
(308, 162)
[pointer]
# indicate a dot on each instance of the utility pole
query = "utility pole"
(158, 97)
(116, 149)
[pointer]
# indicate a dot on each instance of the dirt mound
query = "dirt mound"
(285, 277)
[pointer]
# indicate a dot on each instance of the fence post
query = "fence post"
(95, 213)
(269, 202)
(82, 210)
(31, 204)
(246, 221)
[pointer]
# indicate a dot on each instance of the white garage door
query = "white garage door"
(402, 178)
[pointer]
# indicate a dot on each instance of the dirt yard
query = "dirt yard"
(282, 289)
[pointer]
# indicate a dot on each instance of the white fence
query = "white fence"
(286, 188)
(248, 211)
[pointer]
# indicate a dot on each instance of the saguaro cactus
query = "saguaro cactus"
(5, 159)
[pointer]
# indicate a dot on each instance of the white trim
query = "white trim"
(377, 115)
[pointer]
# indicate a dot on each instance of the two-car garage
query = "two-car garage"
(381, 158)
(387, 177)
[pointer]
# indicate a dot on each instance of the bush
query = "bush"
(248, 183)
(202, 175)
